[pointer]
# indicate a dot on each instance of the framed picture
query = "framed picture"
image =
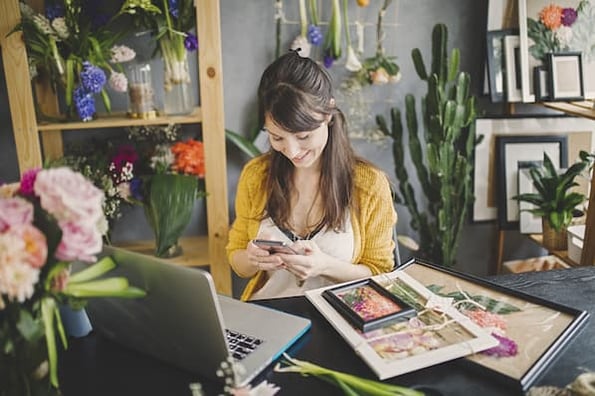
(511, 150)
(579, 131)
(541, 83)
(367, 305)
(528, 222)
(566, 76)
(538, 38)
(512, 67)
(496, 66)
(532, 331)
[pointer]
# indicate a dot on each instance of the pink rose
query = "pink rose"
(79, 242)
(68, 195)
(15, 212)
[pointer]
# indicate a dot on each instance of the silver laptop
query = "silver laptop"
(184, 322)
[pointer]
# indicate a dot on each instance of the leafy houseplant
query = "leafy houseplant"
(554, 201)
(445, 167)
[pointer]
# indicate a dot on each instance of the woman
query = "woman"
(310, 190)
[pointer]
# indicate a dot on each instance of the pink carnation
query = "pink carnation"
(68, 196)
(28, 181)
(79, 242)
(118, 82)
(15, 212)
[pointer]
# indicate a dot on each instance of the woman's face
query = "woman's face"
(303, 149)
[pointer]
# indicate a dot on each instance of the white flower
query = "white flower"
(122, 53)
(118, 82)
(353, 64)
(59, 25)
(26, 10)
(564, 36)
(43, 24)
(395, 78)
(17, 278)
(301, 44)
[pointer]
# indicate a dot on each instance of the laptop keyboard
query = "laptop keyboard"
(241, 345)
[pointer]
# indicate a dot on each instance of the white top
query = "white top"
(282, 283)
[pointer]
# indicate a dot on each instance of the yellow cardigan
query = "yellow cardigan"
(372, 226)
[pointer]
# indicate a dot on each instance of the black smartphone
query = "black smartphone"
(274, 246)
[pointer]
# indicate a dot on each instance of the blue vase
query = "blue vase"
(75, 321)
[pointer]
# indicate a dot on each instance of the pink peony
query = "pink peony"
(15, 212)
(79, 242)
(69, 196)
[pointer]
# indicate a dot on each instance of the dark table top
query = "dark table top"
(95, 366)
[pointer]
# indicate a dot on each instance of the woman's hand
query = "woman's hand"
(310, 262)
(262, 259)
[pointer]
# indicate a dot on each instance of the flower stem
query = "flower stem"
(303, 18)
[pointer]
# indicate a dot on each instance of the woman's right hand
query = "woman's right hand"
(262, 259)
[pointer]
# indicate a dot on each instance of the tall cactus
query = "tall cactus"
(444, 169)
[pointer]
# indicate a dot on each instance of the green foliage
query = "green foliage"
(442, 157)
(246, 145)
(554, 198)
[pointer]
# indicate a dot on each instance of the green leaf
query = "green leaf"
(99, 268)
(245, 145)
(29, 328)
(48, 305)
(169, 207)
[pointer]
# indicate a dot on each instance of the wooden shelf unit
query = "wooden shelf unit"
(38, 141)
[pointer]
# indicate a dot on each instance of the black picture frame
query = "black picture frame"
(565, 79)
(519, 372)
(397, 308)
(510, 150)
(495, 63)
(541, 83)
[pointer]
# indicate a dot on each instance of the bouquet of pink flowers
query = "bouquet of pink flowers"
(52, 218)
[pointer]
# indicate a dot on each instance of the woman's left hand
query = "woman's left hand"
(310, 261)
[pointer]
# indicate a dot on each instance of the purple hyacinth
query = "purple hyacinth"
(174, 8)
(328, 60)
(315, 35)
(568, 16)
(191, 42)
(92, 78)
(84, 102)
(54, 11)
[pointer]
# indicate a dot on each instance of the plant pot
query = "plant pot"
(168, 208)
(552, 239)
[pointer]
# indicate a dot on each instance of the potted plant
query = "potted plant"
(555, 201)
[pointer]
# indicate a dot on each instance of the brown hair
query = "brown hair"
(297, 94)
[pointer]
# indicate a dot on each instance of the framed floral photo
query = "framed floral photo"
(367, 305)
(553, 27)
(532, 331)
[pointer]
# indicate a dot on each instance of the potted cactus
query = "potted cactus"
(443, 158)
(555, 201)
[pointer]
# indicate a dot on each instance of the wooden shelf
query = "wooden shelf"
(582, 109)
(110, 120)
(40, 140)
(195, 250)
(561, 254)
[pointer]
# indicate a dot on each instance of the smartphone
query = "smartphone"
(274, 246)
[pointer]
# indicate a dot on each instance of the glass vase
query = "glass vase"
(141, 95)
(177, 89)
(168, 208)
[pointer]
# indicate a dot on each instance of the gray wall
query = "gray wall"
(248, 35)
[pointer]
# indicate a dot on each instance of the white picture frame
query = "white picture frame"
(581, 136)
(512, 89)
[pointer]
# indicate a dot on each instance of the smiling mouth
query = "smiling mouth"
(299, 158)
